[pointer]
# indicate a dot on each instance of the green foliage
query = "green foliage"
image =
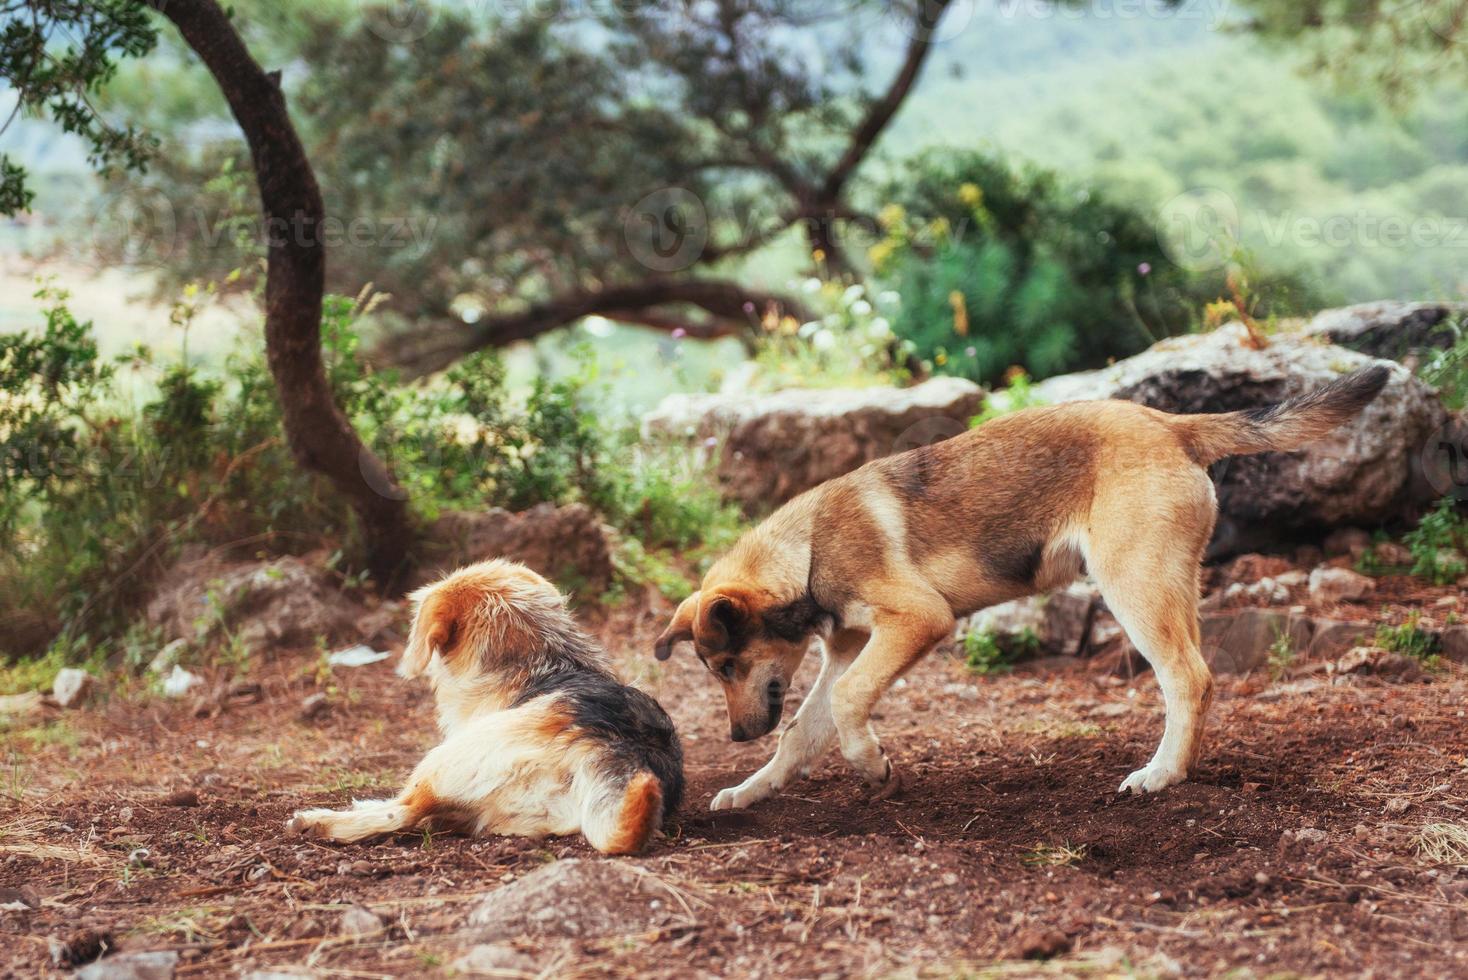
(101, 487)
(851, 345)
(1438, 544)
(1281, 655)
(986, 653)
(1015, 396)
(55, 54)
(1000, 266)
(1448, 369)
(1409, 639)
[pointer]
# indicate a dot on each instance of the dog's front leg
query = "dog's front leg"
(898, 641)
(809, 736)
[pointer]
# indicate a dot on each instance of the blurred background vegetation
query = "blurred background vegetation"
(874, 193)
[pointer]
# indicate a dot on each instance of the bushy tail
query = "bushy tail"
(1288, 425)
(626, 827)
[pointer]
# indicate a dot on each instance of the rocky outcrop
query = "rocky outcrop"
(1391, 329)
(768, 448)
(283, 603)
(568, 545)
(1366, 472)
(575, 898)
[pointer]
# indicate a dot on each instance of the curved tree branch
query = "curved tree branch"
(735, 310)
(924, 26)
(320, 436)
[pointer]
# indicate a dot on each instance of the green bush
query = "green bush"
(1000, 266)
(1437, 544)
(99, 490)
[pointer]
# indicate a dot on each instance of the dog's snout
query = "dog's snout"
(738, 734)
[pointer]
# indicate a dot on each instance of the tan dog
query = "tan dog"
(879, 562)
(539, 736)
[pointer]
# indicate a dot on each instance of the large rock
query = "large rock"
(568, 545)
(575, 899)
(1060, 621)
(1391, 328)
(1366, 472)
(771, 447)
(286, 602)
(1238, 642)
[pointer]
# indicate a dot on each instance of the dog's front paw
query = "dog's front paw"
(737, 797)
(1151, 779)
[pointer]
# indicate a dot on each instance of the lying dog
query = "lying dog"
(539, 737)
(877, 564)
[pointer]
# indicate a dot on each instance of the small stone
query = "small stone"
(360, 921)
(20, 705)
(1041, 944)
(1292, 579)
(1333, 585)
(314, 706)
(180, 682)
(1310, 836)
(362, 869)
(1454, 643)
(1394, 555)
(131, 966)
(169, 656)
(72, 687)
(1351, 541)
(180, 797)
(493, 959)
(23, 899)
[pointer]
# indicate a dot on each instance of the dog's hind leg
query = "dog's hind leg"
(368, 818)
(1144, 551)
(808, 737)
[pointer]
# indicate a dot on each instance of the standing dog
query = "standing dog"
(539, 736)
(879, 562)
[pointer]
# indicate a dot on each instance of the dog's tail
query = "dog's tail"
(629, 825)
(1289, 425)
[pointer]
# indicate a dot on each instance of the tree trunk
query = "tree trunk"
(320, 436)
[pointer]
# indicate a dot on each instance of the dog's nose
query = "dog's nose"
(738, 734)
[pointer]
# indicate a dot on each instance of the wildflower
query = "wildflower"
(1144, 268)
(891, 215)
(971, 195)
(679, 333)
(710, 442)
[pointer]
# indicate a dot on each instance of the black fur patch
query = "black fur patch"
(911, 474)
(637, 734)
(1021, 565)
(795, 620)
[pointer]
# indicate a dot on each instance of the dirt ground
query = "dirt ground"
(1296, 849)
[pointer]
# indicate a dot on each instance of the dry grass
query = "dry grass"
(1055, 855)
(1444, 843)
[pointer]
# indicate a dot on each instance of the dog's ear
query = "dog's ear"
(681, 628)
(435, 630)
(719, 619)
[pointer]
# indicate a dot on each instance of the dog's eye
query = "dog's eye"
(726, 670)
